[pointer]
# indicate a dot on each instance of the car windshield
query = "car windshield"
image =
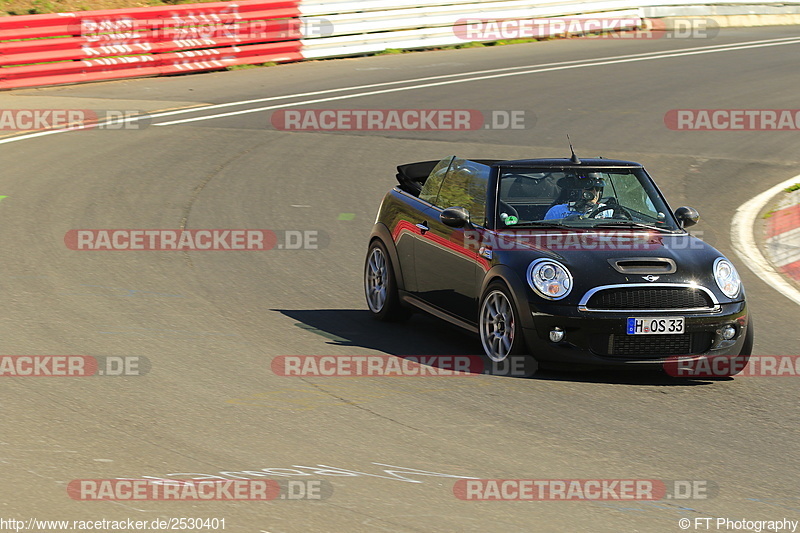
(581, 198)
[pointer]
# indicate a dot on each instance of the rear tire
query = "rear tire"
(380, 285)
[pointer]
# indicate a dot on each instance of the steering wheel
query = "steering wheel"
(612, 206)
(508, 209)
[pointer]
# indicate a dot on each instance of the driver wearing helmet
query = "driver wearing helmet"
(584, 193)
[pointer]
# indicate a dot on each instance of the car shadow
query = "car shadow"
(624, 376)
(422, 335)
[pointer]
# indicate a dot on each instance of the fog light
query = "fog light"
(556, 335)
(728, 332)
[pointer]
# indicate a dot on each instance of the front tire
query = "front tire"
(380, 285)
(498, 324)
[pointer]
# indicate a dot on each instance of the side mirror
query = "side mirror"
(687, 216)
(455, 217)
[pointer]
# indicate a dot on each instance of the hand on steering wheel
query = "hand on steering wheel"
(613, 207)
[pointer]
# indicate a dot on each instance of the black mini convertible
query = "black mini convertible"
(580, 262)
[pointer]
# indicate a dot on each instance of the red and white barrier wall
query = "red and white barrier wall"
(37, 50)
(783, 236)
(52, 49)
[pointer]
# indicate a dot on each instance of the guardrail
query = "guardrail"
(365, 26)
(38, 50)
(440, 25)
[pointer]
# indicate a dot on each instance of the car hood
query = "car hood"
(596, 258)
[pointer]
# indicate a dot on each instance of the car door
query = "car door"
(447, 269)
(411, 220)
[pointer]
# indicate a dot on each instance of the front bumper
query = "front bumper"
(601, 339)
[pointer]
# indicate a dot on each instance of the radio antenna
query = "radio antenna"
(574, 157)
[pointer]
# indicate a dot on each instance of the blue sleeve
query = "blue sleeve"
(557, 211)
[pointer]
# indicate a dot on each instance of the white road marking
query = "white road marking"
(447, 76)
(743, 239)
(510, 71)
(472, 78)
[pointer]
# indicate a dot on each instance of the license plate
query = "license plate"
(656, 325)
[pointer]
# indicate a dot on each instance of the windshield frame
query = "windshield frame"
(554, 172)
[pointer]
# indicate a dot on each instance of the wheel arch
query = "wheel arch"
(517, 288)
(380, 232)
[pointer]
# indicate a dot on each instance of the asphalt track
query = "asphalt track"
(210, 323)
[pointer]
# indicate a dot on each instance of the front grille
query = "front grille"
(650, 346)
(644, 298)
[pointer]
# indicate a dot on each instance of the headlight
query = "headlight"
(727, 278)
(550, 279)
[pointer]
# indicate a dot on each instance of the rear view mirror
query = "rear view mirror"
(687, 216)
(455, 217)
